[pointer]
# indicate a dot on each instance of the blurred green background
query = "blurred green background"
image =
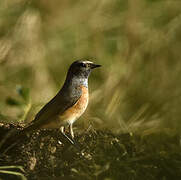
(138, 43)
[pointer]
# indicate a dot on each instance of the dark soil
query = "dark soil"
(97, 155)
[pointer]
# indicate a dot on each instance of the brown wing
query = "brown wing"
(61, 102)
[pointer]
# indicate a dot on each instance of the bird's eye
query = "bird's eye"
(84, 64)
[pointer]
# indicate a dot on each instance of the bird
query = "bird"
(68, 104)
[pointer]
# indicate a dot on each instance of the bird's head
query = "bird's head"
(82, 68)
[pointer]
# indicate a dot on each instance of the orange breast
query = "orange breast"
(71, 114)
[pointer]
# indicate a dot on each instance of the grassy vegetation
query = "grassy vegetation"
(138, 42)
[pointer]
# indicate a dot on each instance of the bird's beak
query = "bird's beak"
(95, 66)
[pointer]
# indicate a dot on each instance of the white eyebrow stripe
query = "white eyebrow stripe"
(87, 62)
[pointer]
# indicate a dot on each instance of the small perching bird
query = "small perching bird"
(68, 104)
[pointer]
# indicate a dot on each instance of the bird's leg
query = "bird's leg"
(62, 129)
(71, 131)
(67, 139)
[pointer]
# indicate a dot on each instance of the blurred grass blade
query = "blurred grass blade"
(13, 167)
(3, 170)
